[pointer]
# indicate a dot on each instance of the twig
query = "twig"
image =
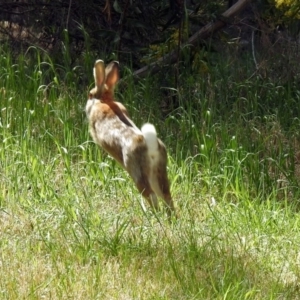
(68, 17)
(121, 27)
(253, 50)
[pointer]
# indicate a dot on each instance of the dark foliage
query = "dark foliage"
(120, 28)
(124, 29)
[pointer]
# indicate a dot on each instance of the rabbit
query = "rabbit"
(138, 151)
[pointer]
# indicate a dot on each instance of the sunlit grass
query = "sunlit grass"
(72, 224)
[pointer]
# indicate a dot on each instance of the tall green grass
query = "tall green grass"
(73, 225)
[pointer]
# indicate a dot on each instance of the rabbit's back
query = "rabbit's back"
(121, 141)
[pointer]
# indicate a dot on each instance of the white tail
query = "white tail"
(150, 136)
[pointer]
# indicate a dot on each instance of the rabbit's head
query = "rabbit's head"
(105, 81)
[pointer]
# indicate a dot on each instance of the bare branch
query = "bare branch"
(203, 33)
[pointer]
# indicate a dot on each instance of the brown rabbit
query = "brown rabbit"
(139, 152)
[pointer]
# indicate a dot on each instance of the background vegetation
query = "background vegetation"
(72, 225)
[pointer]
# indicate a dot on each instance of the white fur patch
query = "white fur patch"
(89, 106)
(150, 136)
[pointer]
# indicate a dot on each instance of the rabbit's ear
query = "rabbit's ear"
(99, 73)
(112, 74)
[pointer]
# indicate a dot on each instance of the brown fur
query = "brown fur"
(113, 130)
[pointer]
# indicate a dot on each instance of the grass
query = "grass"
(72, 224)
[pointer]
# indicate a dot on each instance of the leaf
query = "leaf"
(117, 7)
